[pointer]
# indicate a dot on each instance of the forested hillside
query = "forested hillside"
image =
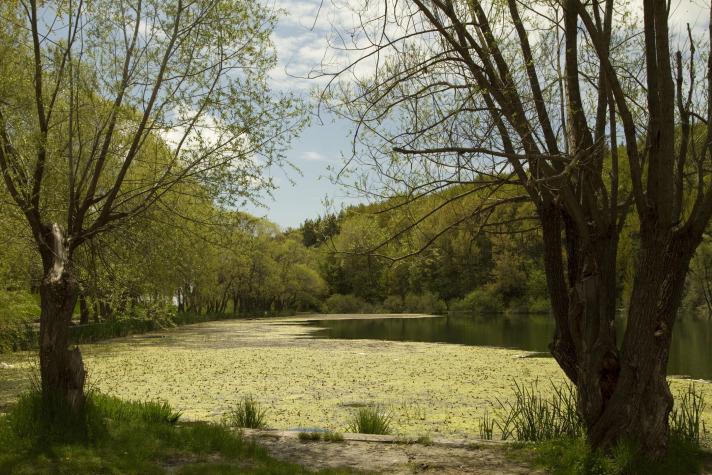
(191, 257)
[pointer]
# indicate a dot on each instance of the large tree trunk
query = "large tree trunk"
(622, 394)
(639, 407)
(61, 370)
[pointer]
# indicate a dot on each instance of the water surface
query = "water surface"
(690, 355)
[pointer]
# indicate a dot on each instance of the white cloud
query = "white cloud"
(312, 156)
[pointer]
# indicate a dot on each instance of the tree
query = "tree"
(107, 106)
(590, 119)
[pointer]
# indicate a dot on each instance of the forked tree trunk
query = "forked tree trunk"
(622, 394)
(640, 405)
(61, 369)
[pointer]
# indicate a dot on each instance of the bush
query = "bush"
(483, 300)
(248, 414)
(427, 302)
(394, 304)
(370, 420)
(338, 303)
(18, 312)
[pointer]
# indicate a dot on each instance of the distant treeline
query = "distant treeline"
(393, 256)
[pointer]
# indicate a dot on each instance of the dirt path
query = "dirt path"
(399, 458)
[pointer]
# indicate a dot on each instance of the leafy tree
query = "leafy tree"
(465, 94)
(107, 106)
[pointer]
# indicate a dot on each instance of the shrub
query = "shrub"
(18, 312)
(394, 304)
(482, 300)
(427, 302)
(338, 303)
(370, 420)
(247, 414)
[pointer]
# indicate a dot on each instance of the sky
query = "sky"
(302, 38)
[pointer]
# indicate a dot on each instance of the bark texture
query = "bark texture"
(62, 370)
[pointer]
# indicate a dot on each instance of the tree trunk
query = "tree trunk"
(622, 394)
(641, 402)
(61, 370)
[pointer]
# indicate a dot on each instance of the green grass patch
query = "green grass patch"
(247, 414)
(113, 436)
(532, 415)
(571, 455)
(574, 457)
(310, 436)
(371, 420)
(336, 437)
(327, 436)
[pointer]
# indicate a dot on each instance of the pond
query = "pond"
(691, 353)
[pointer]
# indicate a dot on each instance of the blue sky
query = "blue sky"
(302, 41)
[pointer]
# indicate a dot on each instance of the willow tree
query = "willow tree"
(106, 106)
(591, 114)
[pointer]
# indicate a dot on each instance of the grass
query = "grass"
(534, 416)
(114, 436)
(562, 449)
(332, 437)
(318, 436)
(568, 456)
(686, 417)
(248, 414)
(310, 436)
(486, 426)
(370, 420)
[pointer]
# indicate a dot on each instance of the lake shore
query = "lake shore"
(431, 389)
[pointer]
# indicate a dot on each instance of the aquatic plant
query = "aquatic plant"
(371, 420)
(248, 414)
(686, 417)
(533, 416)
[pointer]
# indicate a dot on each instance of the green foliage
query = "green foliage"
(484, 300)
(486, 426)
(114, 436)
(18, 312)
(370, 420)
(427, 302)
(573, 456)
(247, 414)
(533, 416)
(686, 422)
(150, 412)
(336, 437)
(474, 271)
(310, 436)
(338, 303)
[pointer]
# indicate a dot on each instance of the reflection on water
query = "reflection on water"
(691, 352)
